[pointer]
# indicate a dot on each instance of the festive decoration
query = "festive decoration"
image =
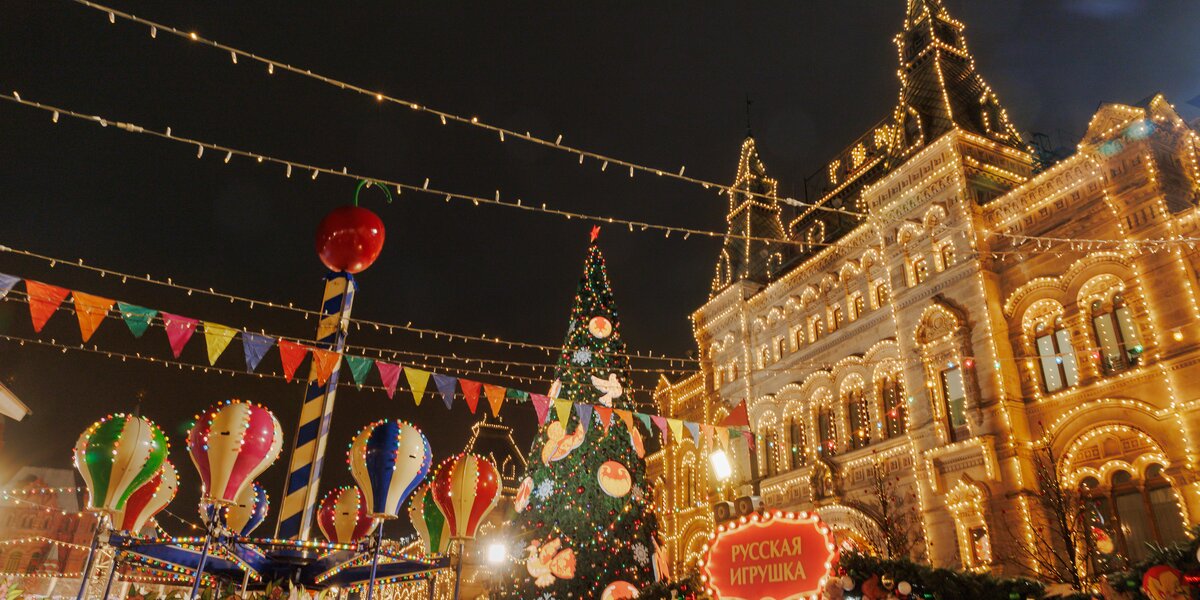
(614, 479)
(343, 516)
(600, 327)
(610, 388)
(349, 239)
(466, 488)
(117, 455)
(549, 562)
(558, 445)
(429, 522)
(774, 555)
(521, 500)
(148, 500)
(44, 300)
(619, 590)
(231, 444)
(1162, 582)
(246, 513)
(389, 459)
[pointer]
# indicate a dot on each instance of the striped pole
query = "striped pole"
(312, 435)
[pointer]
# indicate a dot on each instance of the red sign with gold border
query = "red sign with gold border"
(773, 556)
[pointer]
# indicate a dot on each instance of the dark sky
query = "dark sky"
(657, 83)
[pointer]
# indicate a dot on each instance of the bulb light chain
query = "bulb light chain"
(290, 306)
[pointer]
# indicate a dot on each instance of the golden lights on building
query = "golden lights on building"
(948, 309)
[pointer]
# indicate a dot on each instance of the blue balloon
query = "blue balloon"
(388, 460)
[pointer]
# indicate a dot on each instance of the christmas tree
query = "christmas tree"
(585, 521)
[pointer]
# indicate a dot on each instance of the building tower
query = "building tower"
(753, 221)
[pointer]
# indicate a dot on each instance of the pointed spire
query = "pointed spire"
(940, 89)
(753, 220)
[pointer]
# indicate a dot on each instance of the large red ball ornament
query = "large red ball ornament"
(349, 239)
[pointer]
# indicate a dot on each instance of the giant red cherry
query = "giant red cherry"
(349, 239)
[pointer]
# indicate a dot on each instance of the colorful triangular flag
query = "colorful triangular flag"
(179, 331)
(470, 393)
(136, 318)
(706, 436)
(359, 367)
(6, 283)
(445, 384)
(495, 396)
(44, 300)
(694, 429)
(91, 311)
(323, 364)
(390, 374)
(417, 380)
(255, 347)
(291, 355)
(518, 396)
(645, 419)
(676, 429)
(722, 436)
(625, 416)
(541, 404)
(216, 339)
(584, 412)
(563, 409)
(661, 423)
(604, 413)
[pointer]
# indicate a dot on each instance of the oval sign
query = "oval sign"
(781, 556)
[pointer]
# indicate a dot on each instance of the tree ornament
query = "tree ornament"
(558, 445)
(521, 500)
(610, 389)
(148, 500)
(343, 517)
(466, 488)
(1164, 582)
(349, 239)
(888, 582)
(619, 590)
(389, 459)
(600, 327)
(545, 489)
(614, 479)
(582, 356)
(429, 522)
(549, 561)
(117, 455)
(904, 588)
(231, 444)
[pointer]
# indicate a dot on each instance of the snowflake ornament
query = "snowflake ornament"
(637, 493)
(582, 356)
(641, 553)
(544, 489)
(545, 596)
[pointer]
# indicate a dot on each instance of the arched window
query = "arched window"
(836, 317)
(797, 443)
(688, 490)
(947, 256)
(857, 306)
(881, 294)
(895, 411)
(1116, 334)
(920, 270)
(13, 564)
(1056, 355)
(770, 448)
(827, 429)
(858, 418)
(815, 328)
(1137, 513)
(954, 398)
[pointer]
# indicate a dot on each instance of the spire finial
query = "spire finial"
(595, 233)
(749, 130)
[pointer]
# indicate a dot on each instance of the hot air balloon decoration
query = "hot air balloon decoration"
(148, 500)
(389, 459)
(245, 515)
(429, 521)
(231, 444)
(117, 455)
(343, 517)
(466, 488)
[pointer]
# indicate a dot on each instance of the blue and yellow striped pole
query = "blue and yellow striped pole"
(308, 453)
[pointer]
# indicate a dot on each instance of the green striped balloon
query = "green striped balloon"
(116, 456)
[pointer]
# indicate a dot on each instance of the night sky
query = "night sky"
(662, 84)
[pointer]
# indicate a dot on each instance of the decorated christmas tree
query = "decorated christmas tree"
(585, 522)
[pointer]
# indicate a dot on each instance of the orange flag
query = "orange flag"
(626, 417)
(605, 414)
(91, 311)
(495, 396)
(323, 362)
(44, 299)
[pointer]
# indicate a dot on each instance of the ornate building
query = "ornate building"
(947, 313)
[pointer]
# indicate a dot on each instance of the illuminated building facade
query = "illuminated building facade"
(948, 311)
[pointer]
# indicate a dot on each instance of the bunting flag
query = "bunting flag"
(44, 300)
(706, 436)
(645, 419)
(6, 284)
(584, 412)
(417, 381)
(470, 393)
(518, 396)
(626, 417)
(563, 409)
(323, 363)
(445, 384)
(676, 429)
(216, 339)
(661, 423)
(179, 331)
(495, 397)
(136, 318)
(738, 416)
(722, 435)
(694, 429)
(291, 355)
(604, 413)
(390, 374)
(359, 367)
(541, 404)
(255, 347)
(91, 311)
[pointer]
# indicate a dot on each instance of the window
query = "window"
(1116, 335)
(1056, 355)
(1140, 513)
(815, 328)
(781, 347)
(688, 489)
(859, 419)
(981, 547)
(769, 449)
(717, 377)
(920, 270)
(882, 297)
(13, 564)
(827, 429)
(797, 441)
(895, 412)
(947, 255)
(857, 306)
(798, 337)
(835, 318)
(733, 372)
(954, 392)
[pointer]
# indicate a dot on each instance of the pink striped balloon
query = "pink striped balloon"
(343, 516)
(148, 500)
(466, 487)
(231, 444)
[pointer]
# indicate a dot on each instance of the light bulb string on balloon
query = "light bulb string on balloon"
(290, 306)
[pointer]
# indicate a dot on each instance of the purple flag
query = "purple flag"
(445, 384)
(6, 283)
(255, 347)
(584, 412)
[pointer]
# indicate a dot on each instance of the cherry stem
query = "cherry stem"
(368, 183)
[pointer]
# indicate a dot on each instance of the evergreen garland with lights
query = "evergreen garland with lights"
(587, 528)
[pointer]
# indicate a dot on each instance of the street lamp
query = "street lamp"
(720, 465)
(496, 553)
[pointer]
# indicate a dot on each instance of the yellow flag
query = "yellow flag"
(676, 429)
(417, 380)
(563, 408)
(217, 338)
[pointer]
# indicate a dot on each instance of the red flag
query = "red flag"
(179, 331)
(495, 396)
(390, 374)
(737, 417)
(44, 299)
(291, 355)
(542, 405)
(470, 392)
(323, 363)
(91, 311)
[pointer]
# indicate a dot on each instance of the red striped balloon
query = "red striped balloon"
(148, 500)
(231, 444)
(466, 488)
(343, 516)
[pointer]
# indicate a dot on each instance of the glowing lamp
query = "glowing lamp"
(496, 553)
(720, 464)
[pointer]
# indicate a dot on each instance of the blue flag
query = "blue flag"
(256, 347)
(445, 384)
(6, 283)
